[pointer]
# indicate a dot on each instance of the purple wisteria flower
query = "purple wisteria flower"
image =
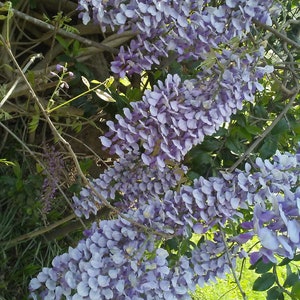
(273, 190)
(188, 29)
(114, 261)
(177, 115)
(118, 259)
(204, 204)
(55, 168)
(130, 181)
(210, 260)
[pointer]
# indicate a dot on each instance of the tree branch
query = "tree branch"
(277, 33)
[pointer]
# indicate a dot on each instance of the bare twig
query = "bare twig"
(33, 234)
(236, 279)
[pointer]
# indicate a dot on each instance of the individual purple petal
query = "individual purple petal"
(268, 239)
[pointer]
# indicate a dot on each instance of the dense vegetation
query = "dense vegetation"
(196, 173)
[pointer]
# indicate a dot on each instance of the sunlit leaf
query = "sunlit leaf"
(85, 82)
(6, 162)
(104, 96)
(95, 81)
(34, 123)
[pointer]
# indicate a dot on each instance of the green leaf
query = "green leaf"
(254, 130)
(263, 267)
(291, 280)
(234, 145)
(281, 127)
(285, 261)
(269, 147)
(17, 170)
(6, 162)
(211, 144)
(76, 45)
(104, 96)
(275, 293)
(260, 112)
(296, 257)
(296, 290)
(264, 282)
(184, 246)
(34, 123)
(241, 120)
(193, 175)
(31, 77)
(65, 43)
(199, 156)
(172, 244)
(86, 165)
(95, 81)
(134, 94)
(85, 82)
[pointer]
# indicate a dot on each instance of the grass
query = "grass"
(227, 289)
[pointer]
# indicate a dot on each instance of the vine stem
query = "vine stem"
(73, 155)
(277, 33)
(50, 110)
(236, 279)
(36, 233)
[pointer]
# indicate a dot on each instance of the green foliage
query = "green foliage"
(5, 11)
(61, 21)
(6, 162)
(264, 282)
(277, 279)
(20, 214)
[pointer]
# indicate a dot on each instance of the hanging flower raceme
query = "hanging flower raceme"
(177, 114)
(127, 183)
(119, 259)
(273, 190)
(188, 29)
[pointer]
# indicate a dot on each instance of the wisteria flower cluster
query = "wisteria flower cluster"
(177, 115)
(190, 29)
(118, 259)
(126, 257)
(161, 129)
(275, 194)
(130, 180)
(54, 164)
